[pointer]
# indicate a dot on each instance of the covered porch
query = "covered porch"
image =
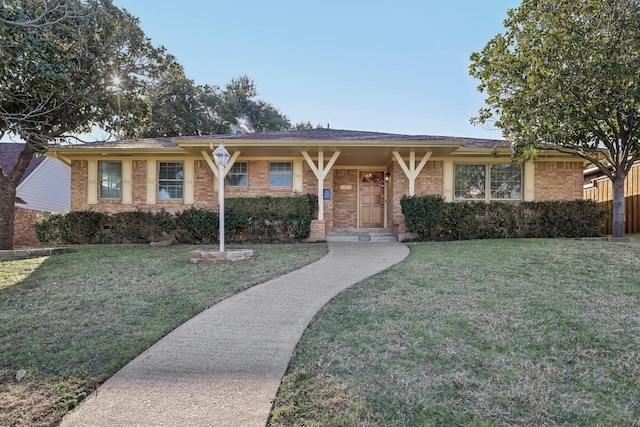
(359, 177)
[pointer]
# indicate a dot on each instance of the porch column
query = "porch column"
(320, 171)
(412, 171)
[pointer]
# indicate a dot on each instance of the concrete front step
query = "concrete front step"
(361, 235)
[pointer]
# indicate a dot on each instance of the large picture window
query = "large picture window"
(110, 180)
(496, 182)
(280, 174)
(170, 180)
(238, 175)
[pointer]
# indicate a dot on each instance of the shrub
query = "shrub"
(578, 218)
(52, 228)
(270, 218)
(131, 227)
(479, 220)
(202, 225)
(262, 218)
(460, 220)
(79, 227)
(422, 214)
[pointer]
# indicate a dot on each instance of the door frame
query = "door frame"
(382, 171)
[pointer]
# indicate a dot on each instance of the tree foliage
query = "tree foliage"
(565, 75)
(180, 107)
(85, 64)
(67, 66)
(307, 125)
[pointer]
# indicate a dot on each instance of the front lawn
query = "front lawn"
(71, 321)
(477, 333)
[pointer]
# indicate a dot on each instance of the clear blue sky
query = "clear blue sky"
(387, 66)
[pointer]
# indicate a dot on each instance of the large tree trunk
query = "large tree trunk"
(9, 181)
(7, 211)
(618, 206)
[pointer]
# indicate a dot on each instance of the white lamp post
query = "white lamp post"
(221, 157)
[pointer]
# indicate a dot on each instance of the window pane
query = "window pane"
(170, 180)
(238, 176)
(506, 181)
(470, 182)
(280, 175)
(110, 180)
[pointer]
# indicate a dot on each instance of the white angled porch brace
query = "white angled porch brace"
(320, 172)
(213, 166)
(412, 171)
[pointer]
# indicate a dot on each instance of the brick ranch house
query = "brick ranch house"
(360, 177)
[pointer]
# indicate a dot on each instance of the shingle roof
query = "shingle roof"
(9, 153)
(295, 135)
(131, 143)
(351, 135)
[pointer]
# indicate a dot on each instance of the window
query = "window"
(110, 180)
(280, 175)
(170, 180)
(504, 182)
(238, 175)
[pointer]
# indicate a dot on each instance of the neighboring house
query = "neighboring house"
(44, 187)
(360, 177)
(598, 187)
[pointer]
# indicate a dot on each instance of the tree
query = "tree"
(565, 75)
(180, 107)
(69, 65)
(238, 102)
(307, 125)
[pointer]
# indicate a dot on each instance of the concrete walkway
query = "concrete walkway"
(224, 366)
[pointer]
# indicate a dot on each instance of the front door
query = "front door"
(372, 199)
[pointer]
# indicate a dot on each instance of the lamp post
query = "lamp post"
(221, 157)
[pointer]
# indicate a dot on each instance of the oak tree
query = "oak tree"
(180, 107)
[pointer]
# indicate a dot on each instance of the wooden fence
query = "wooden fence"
(602, 192)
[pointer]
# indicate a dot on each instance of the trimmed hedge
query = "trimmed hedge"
(433, 219)
(256, 219)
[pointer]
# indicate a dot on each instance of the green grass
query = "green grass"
(71, 321)
(480, 333)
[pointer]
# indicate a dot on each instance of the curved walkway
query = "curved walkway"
(224, 366)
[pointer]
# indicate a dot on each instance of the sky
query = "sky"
(385, 66)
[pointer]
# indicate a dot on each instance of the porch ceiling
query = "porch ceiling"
(359, 153)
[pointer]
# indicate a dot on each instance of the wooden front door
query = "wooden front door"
(372, 199)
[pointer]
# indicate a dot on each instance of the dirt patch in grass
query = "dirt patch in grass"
(514, 332)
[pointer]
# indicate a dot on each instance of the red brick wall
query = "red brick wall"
(558, 181)
(430, 180)
(345, 201)
(139, 183)
(205, 194)
(79, 176)
(23, 231)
